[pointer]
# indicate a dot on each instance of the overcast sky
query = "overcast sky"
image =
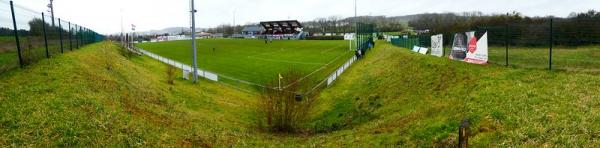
(104, 16)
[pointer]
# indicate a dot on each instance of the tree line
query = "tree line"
(332, 24)
(337, 25)
(36, 29)
(514, 28)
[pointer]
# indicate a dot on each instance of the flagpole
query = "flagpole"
(132, 35)
(279, 78)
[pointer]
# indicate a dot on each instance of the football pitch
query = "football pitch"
(256, 62)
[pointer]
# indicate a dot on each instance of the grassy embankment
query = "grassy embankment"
(392, 97)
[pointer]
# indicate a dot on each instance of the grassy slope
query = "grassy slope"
(252, 60)
(398, 97)
(73, 100)
(393, 97)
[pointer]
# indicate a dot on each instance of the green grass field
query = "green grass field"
(581, 58)
(32, 49)
(7, 38)
(8, 53)
(255, 61)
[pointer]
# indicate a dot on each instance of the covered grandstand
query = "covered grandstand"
(286, 29)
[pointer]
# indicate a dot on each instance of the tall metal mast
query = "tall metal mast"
(51, 6)
(195, 60)
(356, 23)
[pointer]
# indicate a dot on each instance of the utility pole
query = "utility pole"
(122, 29)
(51, 7)
(234, 27)
(195, 56)
(234, 13)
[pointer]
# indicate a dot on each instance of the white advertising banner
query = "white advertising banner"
(416, 48)
(478, 49)
(471, 47)
(349, 36)
(423, 50)
(437, 45)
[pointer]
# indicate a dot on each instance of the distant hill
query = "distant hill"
(405, 18)
(170, 31)
(178, 30)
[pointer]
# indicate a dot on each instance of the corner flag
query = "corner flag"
(280, 77)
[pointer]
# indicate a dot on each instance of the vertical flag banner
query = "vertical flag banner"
(478, 48)
(437, 45)
(459, 47)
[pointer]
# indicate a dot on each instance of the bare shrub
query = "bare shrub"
(171, 74)
(108, 61)
(126, 52)
(286, 109)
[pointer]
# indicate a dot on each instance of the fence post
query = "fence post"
(83, 40)
(463, 134)
(75, 36)
(16, 31)
(551, 43)
(45, 36)
(70, 37)
(506, 30)
(62, 50)
(81, 36)
(86, 36)
(79, 43)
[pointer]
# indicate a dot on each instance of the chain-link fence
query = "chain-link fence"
(556, 44)
(27, 36)
(365, 37)
(408, 41)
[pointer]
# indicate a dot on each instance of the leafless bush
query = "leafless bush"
(171, 74)
(285, 109)
(108, 61)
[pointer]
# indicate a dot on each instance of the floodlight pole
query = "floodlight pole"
(234, 20)
(356, 23)
(195, 60)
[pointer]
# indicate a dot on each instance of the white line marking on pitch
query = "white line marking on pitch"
(285, 61)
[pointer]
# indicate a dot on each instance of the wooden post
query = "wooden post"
(45, 36)
(16, 31)
(463, 134)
